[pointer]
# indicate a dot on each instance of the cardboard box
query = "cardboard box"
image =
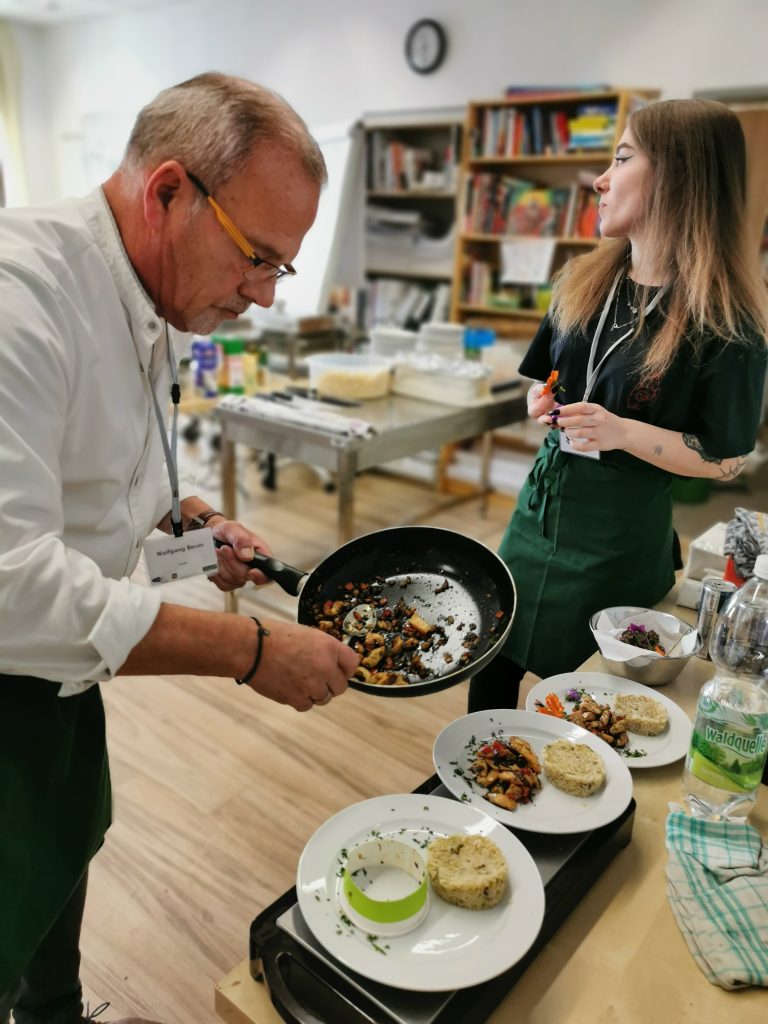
(706, 555)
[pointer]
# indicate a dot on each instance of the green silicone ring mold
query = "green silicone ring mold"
(400, 915)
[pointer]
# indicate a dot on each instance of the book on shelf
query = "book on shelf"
(587, 221)
(538, 130)
(482, 286)
(403, 303)
(498, 204)
(540, 212)
(396, 166)
(441, 303)
(388, 217)
(593, 127)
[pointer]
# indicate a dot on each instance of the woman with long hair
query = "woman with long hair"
(658, 338)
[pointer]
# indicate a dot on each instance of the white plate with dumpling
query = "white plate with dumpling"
(551, 810)
(642, 751)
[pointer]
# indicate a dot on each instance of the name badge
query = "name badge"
(178, 558)
(566, 446)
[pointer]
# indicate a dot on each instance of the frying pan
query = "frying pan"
(414, 562)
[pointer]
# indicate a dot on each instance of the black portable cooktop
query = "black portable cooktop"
(309, 986)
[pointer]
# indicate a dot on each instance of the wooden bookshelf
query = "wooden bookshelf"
(527, 157)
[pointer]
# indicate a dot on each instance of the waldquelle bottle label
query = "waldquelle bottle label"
(728, 748)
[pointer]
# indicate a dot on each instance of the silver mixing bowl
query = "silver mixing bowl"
(642, 669)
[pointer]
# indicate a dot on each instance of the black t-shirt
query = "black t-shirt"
(715, 392)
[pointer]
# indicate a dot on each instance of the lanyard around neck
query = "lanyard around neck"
(170, 449)
(592, 370)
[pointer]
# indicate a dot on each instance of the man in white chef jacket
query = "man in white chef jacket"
(218, 186)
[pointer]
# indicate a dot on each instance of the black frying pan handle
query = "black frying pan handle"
(285, 576)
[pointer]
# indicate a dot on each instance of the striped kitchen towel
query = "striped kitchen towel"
(717, 886)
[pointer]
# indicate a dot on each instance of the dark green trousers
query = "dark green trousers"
(55, 807)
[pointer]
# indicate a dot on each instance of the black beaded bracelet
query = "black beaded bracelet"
(263, 631)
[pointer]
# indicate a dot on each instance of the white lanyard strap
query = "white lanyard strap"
(170, 449)
(592, 370)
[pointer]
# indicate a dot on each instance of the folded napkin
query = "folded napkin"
(610, 626)
(717, 886)
(302, 411)
(746, 537)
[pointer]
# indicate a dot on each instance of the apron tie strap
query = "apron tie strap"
(545, 478)
(93, 1014)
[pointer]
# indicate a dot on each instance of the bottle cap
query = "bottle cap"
(761, 567)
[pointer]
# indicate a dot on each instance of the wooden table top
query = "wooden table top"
(619, 956)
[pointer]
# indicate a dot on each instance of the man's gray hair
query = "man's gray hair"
(212, 125)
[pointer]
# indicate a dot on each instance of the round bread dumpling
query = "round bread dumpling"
(573, 767)
(469, 871)
(644, 715)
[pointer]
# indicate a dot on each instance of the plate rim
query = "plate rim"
(674, 711)
(543, 721)
(532, 884)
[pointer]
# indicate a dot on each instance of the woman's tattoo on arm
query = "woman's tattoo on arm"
(728, 472)
(692, 442)
(658, 450)
(738, 464)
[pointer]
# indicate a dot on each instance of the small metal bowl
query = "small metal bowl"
(649, 671)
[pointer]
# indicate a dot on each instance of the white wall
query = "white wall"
(36, 124)
(334, 59)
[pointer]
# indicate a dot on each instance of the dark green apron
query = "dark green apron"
(55, 807)
(585, 535)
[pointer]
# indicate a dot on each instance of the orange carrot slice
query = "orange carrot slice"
(551, 381)
(551, 706)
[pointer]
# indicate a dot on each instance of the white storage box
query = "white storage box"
(447, 381)
(706, 554)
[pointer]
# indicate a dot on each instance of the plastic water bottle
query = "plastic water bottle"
(730, 736)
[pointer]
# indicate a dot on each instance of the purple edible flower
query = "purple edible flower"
(572, 694)
(634, 628)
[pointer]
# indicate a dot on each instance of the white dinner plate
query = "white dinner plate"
(641, 751)
(551, 810)
(453, 947)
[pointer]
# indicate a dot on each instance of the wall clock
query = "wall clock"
(425, 46)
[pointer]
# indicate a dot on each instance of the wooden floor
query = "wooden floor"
(216, 791)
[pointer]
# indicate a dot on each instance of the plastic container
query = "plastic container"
(230, 378)
(389, 342)
(726, 760)
(441, 339)
(476, 339)
(205, 360)
(350, 376)
(250, 368)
